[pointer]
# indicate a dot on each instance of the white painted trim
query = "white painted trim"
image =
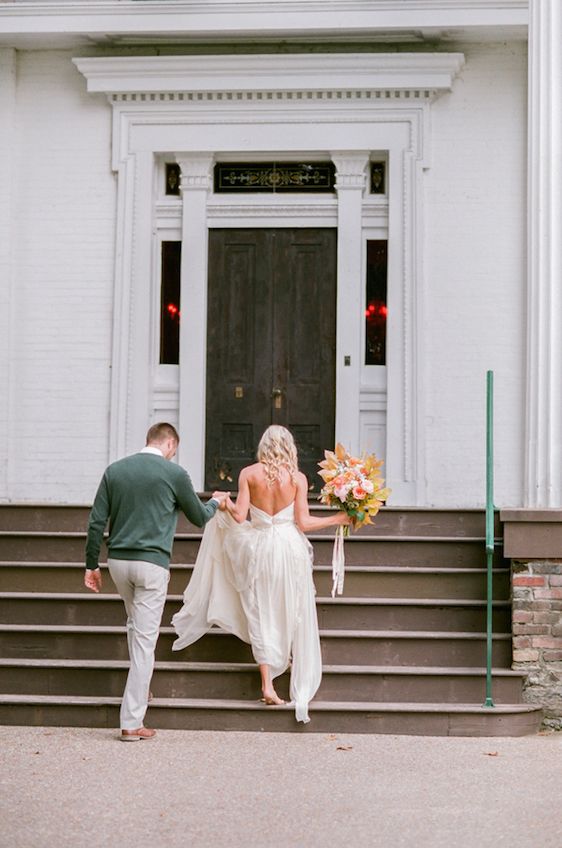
(351, 167)
(119, 398)
(43, 23)
(354, 122)
(543, 461)
(196, 183)
(293, 72)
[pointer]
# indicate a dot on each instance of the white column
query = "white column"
(543, 484)
(7, 330)
(350, 185)
(196, 172)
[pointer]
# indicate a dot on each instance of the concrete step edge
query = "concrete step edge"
(320, 537)
(235, 667)
(339, 601)
(92, 630)
(315, 706)
(356, 569)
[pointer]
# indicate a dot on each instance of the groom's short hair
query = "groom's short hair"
(158, 433)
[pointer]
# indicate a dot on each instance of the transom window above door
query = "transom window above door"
(275, 177)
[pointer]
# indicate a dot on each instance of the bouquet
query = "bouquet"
(354, 485)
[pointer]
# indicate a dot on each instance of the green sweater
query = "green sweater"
(140, 496)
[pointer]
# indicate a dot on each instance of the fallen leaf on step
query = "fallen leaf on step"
(490, 753)
(344, 748)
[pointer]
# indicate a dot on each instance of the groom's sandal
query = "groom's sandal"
(136, 735)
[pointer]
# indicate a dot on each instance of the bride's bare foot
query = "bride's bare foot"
(270, 697)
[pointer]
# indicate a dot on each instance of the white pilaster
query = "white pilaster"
(7, 162)
(139, 364)
(543, 484)
(122, 295)
(195, 185)
(350, 186)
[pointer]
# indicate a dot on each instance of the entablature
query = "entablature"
(47, 24)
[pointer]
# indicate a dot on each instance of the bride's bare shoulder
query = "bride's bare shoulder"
(253, 472)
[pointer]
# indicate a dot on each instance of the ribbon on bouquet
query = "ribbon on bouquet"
(338, 563)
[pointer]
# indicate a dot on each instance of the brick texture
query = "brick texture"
(474, 267)
(64, 223)
(537, 634)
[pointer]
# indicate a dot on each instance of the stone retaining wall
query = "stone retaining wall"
(537, 633)
(533, 541)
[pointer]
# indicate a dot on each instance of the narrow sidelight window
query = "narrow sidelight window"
(172, 179)
(378, 178)
(170, 303)
(376, 308)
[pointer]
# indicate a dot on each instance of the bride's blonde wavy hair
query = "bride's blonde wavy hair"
(277, 451)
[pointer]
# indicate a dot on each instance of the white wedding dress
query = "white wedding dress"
(255, 580)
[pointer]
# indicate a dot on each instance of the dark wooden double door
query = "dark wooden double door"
(270, 346)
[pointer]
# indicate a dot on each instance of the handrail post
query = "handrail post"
(489, 530)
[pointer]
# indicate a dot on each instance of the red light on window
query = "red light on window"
(173, 310)
(383, 311)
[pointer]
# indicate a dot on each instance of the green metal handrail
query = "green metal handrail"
(489, 530)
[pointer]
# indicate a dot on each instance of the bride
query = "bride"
(254, 579)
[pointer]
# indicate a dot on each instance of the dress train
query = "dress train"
(255, 580)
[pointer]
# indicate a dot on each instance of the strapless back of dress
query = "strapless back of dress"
(261, 519)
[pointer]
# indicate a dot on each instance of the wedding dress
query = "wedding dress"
(255, 580)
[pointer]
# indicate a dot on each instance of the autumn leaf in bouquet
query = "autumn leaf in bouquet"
(356, 486)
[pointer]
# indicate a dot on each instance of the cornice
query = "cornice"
(121, 9)
(119, 76)
(43, 23)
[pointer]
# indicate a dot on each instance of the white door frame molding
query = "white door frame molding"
(346, 106)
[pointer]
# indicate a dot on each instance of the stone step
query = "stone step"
(345, 612)
(241, 681)
(326, 717)
(360, 549)
(360, 581)
(421, 648)
(389, 521)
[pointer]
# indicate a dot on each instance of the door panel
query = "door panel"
(271, 326)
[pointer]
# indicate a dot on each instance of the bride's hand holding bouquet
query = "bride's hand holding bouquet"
(356, 486)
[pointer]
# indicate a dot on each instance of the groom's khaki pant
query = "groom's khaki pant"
(143, 587)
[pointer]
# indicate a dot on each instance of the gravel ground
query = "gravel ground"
(81, 788)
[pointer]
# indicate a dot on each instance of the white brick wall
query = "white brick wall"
(475, 277)
(64, 232)
(62, 219)
(7, 149)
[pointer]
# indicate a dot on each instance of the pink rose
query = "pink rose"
(359, 493)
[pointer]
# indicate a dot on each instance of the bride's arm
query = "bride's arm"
(239, 511)
(305, 521)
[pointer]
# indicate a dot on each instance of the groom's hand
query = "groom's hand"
(219, 496)
(92, 579)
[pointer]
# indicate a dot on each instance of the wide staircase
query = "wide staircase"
(403, 649)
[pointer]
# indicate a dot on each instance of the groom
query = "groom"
(140, 496)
